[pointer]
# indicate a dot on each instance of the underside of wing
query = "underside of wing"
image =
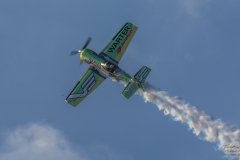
(90, 81)
(118, 45)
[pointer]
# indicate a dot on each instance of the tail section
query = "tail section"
(130, 89)
(142, 74)
(136, 82)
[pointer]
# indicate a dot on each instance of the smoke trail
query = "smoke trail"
(226, 137)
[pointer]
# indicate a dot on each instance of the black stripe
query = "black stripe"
(73, 89)
(142, 72)
(108, 57)
(90, 80)
(119, 31)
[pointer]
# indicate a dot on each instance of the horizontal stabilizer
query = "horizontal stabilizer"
(130, 89)
(142, 74)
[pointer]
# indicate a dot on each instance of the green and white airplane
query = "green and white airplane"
(105, 64)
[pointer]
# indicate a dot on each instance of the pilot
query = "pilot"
(111, 68)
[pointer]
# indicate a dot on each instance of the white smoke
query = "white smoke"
(227, 137)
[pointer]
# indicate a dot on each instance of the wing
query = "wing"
(117, 46)
(89, 81)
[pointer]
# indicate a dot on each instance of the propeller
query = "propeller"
(87, 42)
(75, 52)
(81, 62)
(79, 51)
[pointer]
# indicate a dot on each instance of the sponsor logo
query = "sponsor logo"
(124, 35)
(143, 74)
(119, 50)
(86, 87)
(127, 37)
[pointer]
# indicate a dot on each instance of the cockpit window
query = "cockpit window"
(108, 66)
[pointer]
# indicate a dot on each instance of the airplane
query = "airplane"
(105, 64)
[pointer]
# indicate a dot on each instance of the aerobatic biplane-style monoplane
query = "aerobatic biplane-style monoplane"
(105, 64)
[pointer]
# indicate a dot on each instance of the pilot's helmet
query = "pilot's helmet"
(111, 66)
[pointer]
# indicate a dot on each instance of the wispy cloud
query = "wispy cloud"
(38, 142)
(43, 142)
(192, 7)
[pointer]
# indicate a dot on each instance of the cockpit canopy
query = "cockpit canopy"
(109, 66)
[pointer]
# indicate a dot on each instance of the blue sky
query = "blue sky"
(191, 46)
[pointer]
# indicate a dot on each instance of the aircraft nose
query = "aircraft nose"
(81, 55)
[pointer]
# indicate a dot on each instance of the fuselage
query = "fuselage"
(111, 69)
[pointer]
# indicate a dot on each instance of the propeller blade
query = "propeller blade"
(81, 62)
(87, 42)
(74, 52)
(79, 51)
